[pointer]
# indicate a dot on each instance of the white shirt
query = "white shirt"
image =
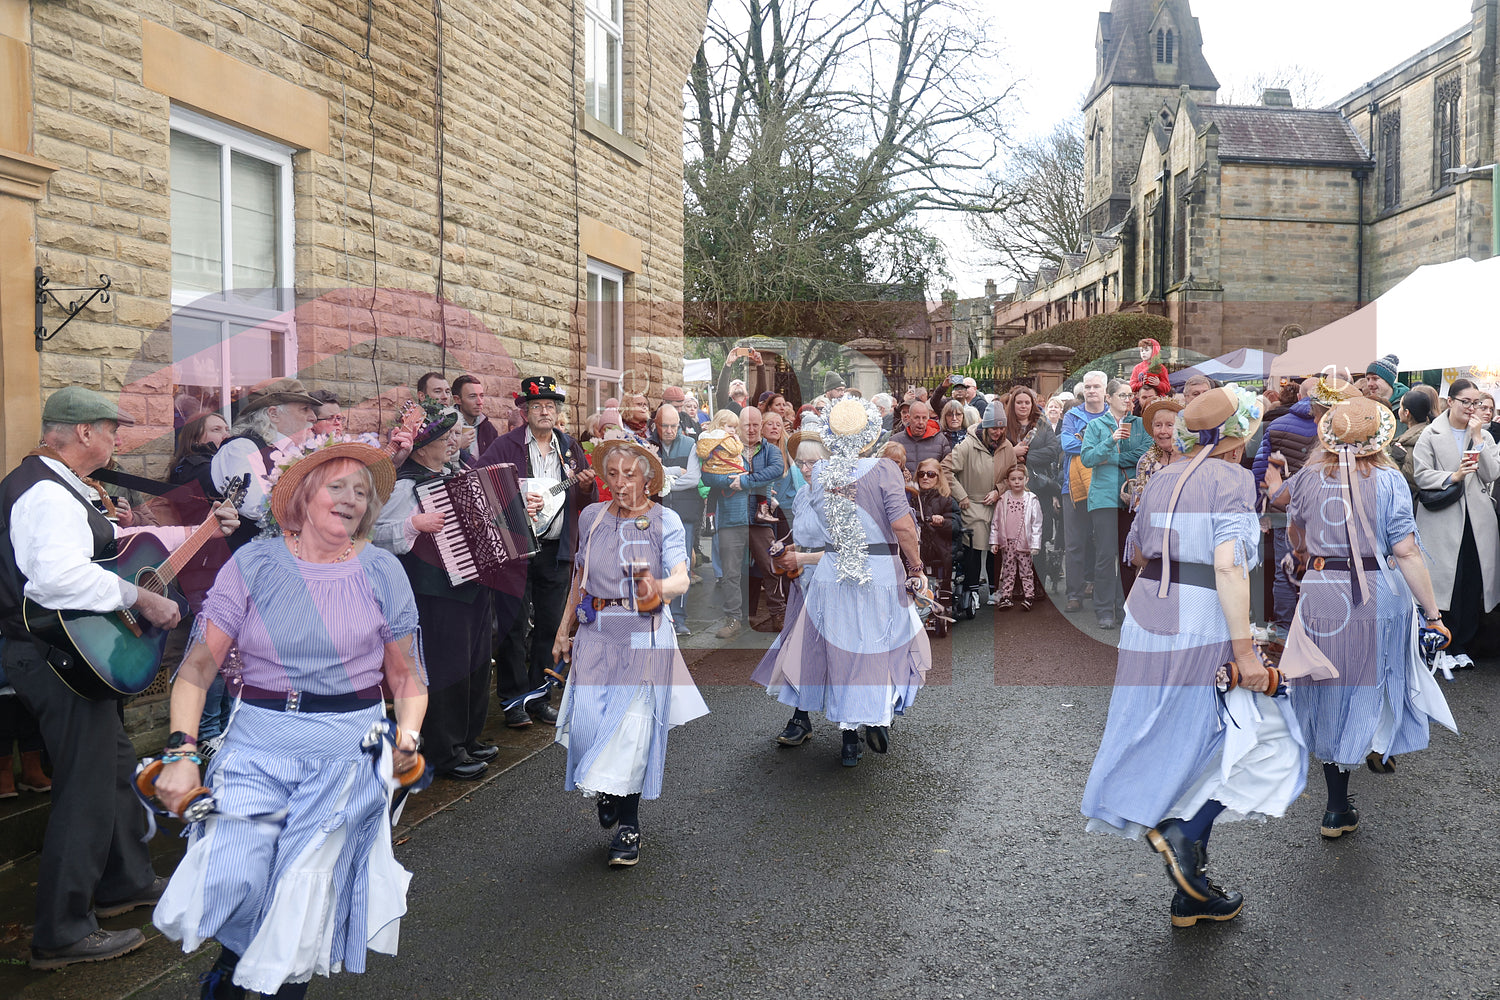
(235, 458)
(54, 547)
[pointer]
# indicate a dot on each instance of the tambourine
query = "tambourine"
(194, 807)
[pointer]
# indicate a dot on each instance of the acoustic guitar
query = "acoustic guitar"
(118, 653)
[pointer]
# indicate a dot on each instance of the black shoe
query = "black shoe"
(546, 715)
(97, 947)
(483, 752)
(879, 738)
(469, 770)
(1336, 824)
(609, 810)
(625, 849)
(1185, 860)
(797, 732)
(150, 897)
(1222, 905)
(516, 717)
(851, 753)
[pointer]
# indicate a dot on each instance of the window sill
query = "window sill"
(627, 148)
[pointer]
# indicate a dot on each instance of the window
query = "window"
(1098, 148)
(1179, 226)
(231, 206)
(1445, 124)
(606, 333)
(1161, 45)
(1169, 46)
(604, 31)
(1390, 158)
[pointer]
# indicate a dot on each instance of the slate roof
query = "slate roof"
(1282, 135)
(1131, 56)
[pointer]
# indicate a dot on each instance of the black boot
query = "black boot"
(1221, 905)
(850, 754)
(1186, 860)
(797, 731)
(218, 981)
(609, 810)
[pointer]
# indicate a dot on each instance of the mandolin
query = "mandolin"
(554, 494)
(118, 653)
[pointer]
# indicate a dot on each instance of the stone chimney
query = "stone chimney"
(989, 288)
(1276, 97)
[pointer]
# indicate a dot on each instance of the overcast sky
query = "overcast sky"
(1050, 45)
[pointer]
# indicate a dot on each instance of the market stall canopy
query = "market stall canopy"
(1243, 365)
(1442, 316)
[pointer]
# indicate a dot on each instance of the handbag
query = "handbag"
(1440, 499)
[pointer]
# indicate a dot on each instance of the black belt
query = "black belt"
(1345, 565)
(300, 701)
(878, 549)
(1192, 574)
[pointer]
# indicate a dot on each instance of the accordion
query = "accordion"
(484, 523)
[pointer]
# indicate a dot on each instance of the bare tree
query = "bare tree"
(1040, 217)
(818, 131)
(1307, 86)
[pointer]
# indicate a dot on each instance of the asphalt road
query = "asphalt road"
(956, 866)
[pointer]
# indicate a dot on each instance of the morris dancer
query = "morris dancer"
(1351, 511)
(856, 650)
(325, 624)
(1176, 753)
(628, 684)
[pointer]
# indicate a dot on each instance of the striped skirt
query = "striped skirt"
(308, 894)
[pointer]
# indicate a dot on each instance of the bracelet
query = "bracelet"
(1432, 618)
(172, 758)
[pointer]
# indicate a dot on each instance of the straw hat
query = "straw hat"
(1156, 406)
(656, 486)
(277, 392)
(1223, 419)
(291, 476)
(1331, 391)
(1363, 426)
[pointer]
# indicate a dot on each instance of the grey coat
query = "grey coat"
(1434, 459)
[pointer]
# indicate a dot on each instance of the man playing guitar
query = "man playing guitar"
(544, 453)
(54, 523)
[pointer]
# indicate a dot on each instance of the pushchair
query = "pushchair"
(938, 548)
(965, 597)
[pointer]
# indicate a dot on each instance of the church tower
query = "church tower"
(1147, 50)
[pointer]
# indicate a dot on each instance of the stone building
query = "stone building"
(351, 193)
(1248, 225)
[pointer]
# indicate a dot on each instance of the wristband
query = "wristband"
(172, 758)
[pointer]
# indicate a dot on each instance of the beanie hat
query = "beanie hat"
(1385, 368)
(832, 380)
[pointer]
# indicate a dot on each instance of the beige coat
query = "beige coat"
(973, 471)
(1434, 459)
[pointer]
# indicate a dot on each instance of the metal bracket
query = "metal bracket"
(73, 307)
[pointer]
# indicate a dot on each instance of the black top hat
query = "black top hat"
(539, 387)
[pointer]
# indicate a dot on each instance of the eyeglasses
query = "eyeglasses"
(1468, 403)
(806, 463)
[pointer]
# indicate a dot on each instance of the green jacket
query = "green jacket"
(1113, 461)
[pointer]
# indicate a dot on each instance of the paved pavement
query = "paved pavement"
(955, 866)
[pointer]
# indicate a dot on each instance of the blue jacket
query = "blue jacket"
(1113, 461)
(733, 505)
(1295, 428)
(1071, 435)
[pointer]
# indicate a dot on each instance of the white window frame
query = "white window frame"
(594, 21)
(596, 373)
(223, 308)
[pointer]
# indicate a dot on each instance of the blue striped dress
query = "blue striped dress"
(1169, 745)
(1370, 705)
(309, 894)
(628, 684)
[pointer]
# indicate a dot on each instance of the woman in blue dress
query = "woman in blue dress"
(628, 683)
(856, 650)
(1177, 752)
(1350, 513)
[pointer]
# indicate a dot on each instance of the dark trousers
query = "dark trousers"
(526, 647)
(1466, 605)
(1078, 530)
(1109, 596)
(18, 727)
(93, 848)
(456, 644)
(772, 586)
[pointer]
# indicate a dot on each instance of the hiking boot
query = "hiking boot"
(150, 897)
(97, 947)
(731, 628)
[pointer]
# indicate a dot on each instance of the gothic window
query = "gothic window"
(1098, 148)
(1169, 46)
(1445, 124)
(1161, 45)
(1179, 226)
(1390, 158)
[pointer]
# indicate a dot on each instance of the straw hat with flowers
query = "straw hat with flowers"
(291, 465)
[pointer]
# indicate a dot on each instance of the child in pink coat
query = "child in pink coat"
(1016, 536)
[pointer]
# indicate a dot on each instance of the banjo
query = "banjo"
(554, 494)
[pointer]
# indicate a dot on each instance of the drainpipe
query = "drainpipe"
(1359, 267)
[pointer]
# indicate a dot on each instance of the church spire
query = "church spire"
(1150, 43)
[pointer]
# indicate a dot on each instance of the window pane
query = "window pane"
(197, 365)
(197, 244)
(609, 87)
(256, 354)
(255, 204)
(593, 321)
(590, 57)
(606, 319)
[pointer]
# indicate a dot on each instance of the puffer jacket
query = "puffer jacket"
(765, 468)
(932, 444)
(1294, 435)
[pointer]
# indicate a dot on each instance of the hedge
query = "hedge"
(1090, 338)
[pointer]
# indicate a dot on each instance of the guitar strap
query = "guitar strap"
(109, 505)
(140, 484)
